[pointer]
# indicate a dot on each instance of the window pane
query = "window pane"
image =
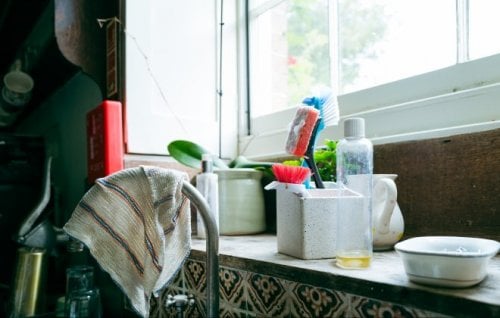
(289, 52)
(484, 22)
(387, 40)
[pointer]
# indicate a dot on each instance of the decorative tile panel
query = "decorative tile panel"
(311, 301)
(195, 276)
(246, 294)
(366, 307)
(267, 296)
(232, 288)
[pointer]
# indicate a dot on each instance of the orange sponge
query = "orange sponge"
(301, 129)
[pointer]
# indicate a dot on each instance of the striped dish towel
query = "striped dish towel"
(136, 224)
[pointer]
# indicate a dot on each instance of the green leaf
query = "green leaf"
(242, 162)
(294, 162)
(326, 158)
(189, 153)
(331, 144)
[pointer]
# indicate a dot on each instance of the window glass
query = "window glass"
(294, 43)
(422, 66)
(171, 56)
(484, 23)
(386, 40)
(289, 52)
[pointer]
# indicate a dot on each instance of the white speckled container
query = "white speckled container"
(306, 226)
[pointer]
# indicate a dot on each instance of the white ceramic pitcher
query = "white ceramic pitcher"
(388, 223)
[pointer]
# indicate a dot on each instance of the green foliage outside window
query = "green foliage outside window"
(361, 27)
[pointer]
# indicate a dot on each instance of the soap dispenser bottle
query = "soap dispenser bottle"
(354, 238)
(207, 184)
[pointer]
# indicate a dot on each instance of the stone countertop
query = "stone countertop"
(385, 279)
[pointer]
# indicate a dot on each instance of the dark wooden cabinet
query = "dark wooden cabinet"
(54, 39)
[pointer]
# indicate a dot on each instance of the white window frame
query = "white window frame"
(462, 98)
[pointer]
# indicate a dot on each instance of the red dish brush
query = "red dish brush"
(290, 178)
(300, 141)
(290, 174)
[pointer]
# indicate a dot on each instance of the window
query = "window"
(172, 75)
(413, 69)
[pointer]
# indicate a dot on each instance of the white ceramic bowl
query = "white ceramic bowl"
(449, 261)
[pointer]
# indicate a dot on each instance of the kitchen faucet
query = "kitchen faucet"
(212, 247)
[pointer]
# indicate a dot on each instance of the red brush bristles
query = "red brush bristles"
(290, 174)
(301, 130)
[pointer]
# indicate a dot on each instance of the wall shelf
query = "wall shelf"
(42, 58)
(61, 38)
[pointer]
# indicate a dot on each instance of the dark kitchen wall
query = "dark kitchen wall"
(76, 39)
(61, 121)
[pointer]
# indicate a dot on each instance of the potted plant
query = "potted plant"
(242, 208)
(326, 161)
(189, 153)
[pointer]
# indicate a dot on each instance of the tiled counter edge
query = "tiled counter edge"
(256, 281)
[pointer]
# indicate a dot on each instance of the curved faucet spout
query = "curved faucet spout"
(212, 247)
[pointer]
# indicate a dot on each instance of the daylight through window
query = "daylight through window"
(350, 45)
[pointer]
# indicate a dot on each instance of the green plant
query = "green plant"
(189, 153)
(326, 160)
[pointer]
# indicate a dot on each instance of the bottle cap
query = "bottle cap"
(206, 163)
(354, 127)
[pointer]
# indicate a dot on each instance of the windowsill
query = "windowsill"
(385, 279)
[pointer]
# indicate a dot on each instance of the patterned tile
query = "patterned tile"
(195, 311)
(155, 309)
(252, 295)
(158, 307)
(158, 304)
(230, 312)
(232, 285)
(178, 280)
(311, 301)
(267, 296)
(195, 276)
(366, 307)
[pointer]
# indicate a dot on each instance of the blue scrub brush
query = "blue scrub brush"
(326, 102)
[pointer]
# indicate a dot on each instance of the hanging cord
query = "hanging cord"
(163, 96)
(219, 90)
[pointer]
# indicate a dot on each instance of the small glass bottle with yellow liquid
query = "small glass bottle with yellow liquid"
(354, 214)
